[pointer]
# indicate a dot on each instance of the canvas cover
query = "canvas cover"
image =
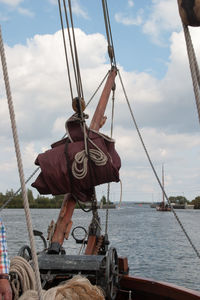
(56, 177)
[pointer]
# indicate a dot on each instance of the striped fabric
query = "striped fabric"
(4, 261)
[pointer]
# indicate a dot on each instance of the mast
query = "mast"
(163, 183)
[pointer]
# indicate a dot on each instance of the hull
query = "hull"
(158, 208)
(146, 289)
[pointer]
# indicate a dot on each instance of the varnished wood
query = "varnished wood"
(64, 222)
(91, 245)
(98, 117)
(147, 289)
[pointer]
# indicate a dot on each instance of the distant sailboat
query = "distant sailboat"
(163, 206)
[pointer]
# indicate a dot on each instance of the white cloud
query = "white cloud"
(130, 3)
(25, 12)
(126, 19)
(55, 2)
(164, 17)
(78, 10)
(12, 2)
(163, 109)
(157, 18)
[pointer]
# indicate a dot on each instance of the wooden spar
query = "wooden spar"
(97, 119)
(63, 224)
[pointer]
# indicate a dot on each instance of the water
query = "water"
(153, 241)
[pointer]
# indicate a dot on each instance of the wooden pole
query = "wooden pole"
(98, 117)
(64, 223)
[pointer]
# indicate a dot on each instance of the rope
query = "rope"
(76, 288)
(81, 159)
(79, 87)
(25, 276)
(65, 49)
(108, 186)
(193, 67)
(111, 51)
(73, 49)
(91, 98)
(154, 171)
(15, 193)
(19, 162)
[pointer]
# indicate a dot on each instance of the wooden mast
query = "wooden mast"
(163, 184)
(64, 223)
(98, 117)
(97, 122)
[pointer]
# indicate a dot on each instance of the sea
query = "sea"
(153, 242)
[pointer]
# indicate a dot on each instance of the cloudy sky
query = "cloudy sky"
(151, 56)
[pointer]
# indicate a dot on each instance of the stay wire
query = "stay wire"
(112, 44)
(108, 186)
(111, 51)
(70, 42)
(15, 193)
(65, 49)
(154, 171)
(92, 97)
(80, 88)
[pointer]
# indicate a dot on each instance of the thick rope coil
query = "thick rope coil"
(26, 277)
(76, 288)
(80, 163)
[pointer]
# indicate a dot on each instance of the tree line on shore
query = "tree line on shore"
(56, 201)
(38, 202)
(182, 200)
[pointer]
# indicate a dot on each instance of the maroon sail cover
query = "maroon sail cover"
(56, 177)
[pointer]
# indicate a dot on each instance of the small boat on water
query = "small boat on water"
(86, 158)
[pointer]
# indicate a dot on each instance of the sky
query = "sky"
(151, 56)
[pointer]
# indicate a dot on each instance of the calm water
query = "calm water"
(153, 241)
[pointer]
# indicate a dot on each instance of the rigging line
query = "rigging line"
(80, 88)
(193, 68)
(190, 48)
(65, 49)
(110, 32)
(70, 42)
(20, 167)
(111, 51)
(111, 134)
(91, 98)
(15, 193)
(154, 171)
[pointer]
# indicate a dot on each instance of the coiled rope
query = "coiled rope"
(24, 283)
(25, 276)
(80, 163)
(76, 288)
(195, 74)
(20, 165)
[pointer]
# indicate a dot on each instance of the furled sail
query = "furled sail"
(70, 168)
